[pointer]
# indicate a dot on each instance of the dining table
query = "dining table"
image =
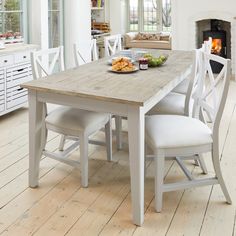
(94, 87)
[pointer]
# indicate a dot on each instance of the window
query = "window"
(55, 23)
(149, 15)
(13, 19)
(133, 18)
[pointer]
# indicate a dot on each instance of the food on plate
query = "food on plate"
(122, 64)
(155, 61)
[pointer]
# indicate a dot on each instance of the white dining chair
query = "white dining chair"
(182, 104)
(81, 58)
(182, 88)
(71, 123)
(112, 44)
(175, 103)
(179, 136)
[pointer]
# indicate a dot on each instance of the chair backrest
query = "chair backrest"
(112, 44)
(45, 61)
(213, 90)
(79, 57)
(206, 47)
(196, 71)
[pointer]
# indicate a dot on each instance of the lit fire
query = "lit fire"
(216, 46)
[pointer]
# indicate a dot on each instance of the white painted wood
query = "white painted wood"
(203, 97)
(62, 143)
(35, 128)
(84, 160)
(118, 131)
(81, 59)
(136, 158)
(112, 44)
(159, 179)
(15, 69)
(125, 104)
(108, 133)
(55, 57)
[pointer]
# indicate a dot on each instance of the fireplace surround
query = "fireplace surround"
(186, 15)
(220, 32)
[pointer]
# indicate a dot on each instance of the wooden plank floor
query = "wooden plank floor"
(61, 207)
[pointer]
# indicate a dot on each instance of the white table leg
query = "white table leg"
(35, 133)
(136, 156)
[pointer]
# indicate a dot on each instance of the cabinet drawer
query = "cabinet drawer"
(6, 60)
(17, 101)
(2, 107)
(22, 57)
(16, 96)
(18, 75)
(2, 86)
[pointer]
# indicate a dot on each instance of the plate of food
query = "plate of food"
(110, 61)
(155, 61)
(122, 65)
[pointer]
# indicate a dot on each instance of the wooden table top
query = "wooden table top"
(94, 81)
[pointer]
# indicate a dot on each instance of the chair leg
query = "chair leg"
(108, 133)
(217, 168)
(118, 122)
(62, 143)
(44, 138)
(159, 180)
(84, 160)
(202, 164)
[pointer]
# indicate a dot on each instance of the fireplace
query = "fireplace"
(220, 32)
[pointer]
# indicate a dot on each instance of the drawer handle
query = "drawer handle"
(19, 89)
(24, 56)
(5, 61)
(20, 70)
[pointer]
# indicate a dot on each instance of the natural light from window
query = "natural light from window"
(150, 15)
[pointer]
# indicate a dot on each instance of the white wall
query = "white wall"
(185, 13)
(118, 16)
(77, 28)
(38, 22)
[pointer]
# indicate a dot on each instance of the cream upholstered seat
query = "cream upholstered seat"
(174, 136)
(69, 121)
(73, 124)
(176, 131)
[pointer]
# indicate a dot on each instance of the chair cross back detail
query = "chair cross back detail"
(112, 44)
(38, 57)
(214, 89)
(211, 99)
(79, 57)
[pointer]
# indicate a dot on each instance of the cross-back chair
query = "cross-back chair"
(71, 123)
(93, 53)
(171, 135)
(112, 44)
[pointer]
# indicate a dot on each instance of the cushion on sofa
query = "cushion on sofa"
(147, 36)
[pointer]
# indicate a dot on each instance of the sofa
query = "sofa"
(148, 40)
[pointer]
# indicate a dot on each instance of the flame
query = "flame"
(216, 46)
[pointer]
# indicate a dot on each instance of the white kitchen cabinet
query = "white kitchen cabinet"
(15, 69)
